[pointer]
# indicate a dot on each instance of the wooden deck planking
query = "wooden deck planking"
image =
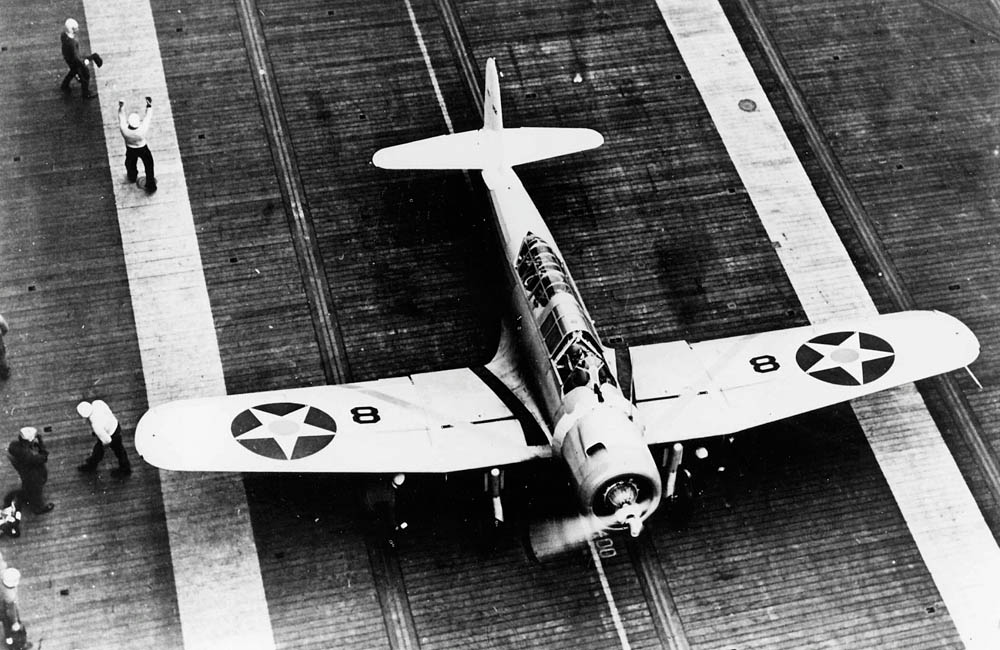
(315, 590)
(432, 241)
(708, 249)
(768, 571)
(312, 553)
(920, 156)
(370, 226)
(677, 196)
(206, 515)
(491, 594)
(828, 105)
(717, 291)
(947, 526)
(101, 557)
(694, 297)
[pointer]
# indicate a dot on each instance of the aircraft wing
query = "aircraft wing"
(685, 391)
(433, 422)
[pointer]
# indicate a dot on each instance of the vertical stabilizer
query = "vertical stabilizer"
(492, 115)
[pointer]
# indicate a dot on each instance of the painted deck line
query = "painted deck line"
(220, 594)
(942, 516)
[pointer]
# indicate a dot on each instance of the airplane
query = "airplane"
(552, 389)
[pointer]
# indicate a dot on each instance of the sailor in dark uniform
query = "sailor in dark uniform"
(29, 456)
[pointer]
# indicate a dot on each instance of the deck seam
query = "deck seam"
(314, 278)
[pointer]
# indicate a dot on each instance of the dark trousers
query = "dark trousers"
(134, 154)
(32, 493)
(116, 445)
(80, 71)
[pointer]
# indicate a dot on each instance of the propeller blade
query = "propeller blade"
(553, 537)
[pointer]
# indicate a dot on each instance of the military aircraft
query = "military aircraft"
(552, 389)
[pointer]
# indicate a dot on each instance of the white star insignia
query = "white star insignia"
(848, 355)
(283, 429)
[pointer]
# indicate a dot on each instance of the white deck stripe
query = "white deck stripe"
(220, 594)
(608, 596)
(430, 67)
(942, 516)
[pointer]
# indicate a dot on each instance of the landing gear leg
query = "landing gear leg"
(380, 500)
(671, 462)
(677, 494)
(494, 486)
(398, 521)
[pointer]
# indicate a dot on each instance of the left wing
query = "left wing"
(685, 391)
(432, 422)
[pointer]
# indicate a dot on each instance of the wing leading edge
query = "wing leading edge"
(685, 391)
(433, 422)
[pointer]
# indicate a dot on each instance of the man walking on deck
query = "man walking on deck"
(134, 131)
(105, 426)
(75, 60)
(28, 455)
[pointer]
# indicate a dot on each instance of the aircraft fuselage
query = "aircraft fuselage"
(591, 423)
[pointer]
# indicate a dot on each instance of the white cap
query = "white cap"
(701, 453)
(133, 121)
(11, 578)
(71, 24)
(84, 409)
(29, 433)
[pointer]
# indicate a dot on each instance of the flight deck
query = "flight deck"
(275, 255)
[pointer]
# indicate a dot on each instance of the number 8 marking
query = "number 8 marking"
(766, 363)
(365, 414)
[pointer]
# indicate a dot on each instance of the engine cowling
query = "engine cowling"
(615, 476)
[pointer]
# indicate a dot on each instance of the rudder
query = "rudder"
(492, 113)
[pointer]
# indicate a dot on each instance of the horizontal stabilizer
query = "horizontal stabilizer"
(488, 149)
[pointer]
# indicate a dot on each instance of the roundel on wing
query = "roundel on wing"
(284, 430)
(846, 358)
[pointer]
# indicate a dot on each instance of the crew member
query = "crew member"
(134, 131)
(108, 431)
(76, 61)
(28, 455)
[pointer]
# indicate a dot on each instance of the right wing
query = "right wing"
(432, 422)
(684, 391)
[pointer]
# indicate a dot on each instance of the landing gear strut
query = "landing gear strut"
(380, 499)
(494, 485)
(671, 462)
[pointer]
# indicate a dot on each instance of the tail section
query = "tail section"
(493, 146)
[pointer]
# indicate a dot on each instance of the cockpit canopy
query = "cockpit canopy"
(580, 363)
(572, 343)
(543, 274)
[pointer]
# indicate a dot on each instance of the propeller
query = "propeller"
(551, 537)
